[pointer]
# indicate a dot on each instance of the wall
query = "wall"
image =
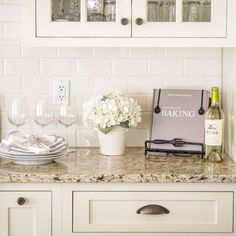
(229, 99)
(31, 71)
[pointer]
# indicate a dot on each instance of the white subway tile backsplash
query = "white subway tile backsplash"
(166, 66)
(208, 82)
(10, 13)
(14, 31)
(183, 52)
(111, 52)
(94, 67)
(211, 52)
(1, 67)
(147, 52)
(75, 52)
(91, 71)
(79, 85)
(22, 67)
(149, 102)
(141, 99)
(1, 31)
(136, 137)
(37, 85)
(10, 85)
(10, 49)
(58, 66)
(202, 67)
(129, 67)
(38, 52)
(81, 100)
(146, 121)
(108, 84)
(182, 82)
(145, 85)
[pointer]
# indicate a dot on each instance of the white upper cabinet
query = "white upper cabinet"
(132, 23)
(112, 18)
(179, 18)
(83, 18)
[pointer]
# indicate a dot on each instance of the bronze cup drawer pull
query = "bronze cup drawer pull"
(20, 201)
(153, 210)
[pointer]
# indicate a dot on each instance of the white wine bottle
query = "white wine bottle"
(214, 130)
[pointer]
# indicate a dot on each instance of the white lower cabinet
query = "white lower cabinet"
(120, 209)
(24, 213)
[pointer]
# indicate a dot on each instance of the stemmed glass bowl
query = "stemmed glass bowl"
(44, 113)
(67, 117)
(18, 112)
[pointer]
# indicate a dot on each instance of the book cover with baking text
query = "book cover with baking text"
(178, 114)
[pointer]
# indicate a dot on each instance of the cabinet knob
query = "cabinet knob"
(20, 201)
(153, 210)
(139, 21)
(124, 21)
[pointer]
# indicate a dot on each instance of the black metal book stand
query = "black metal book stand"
(176, 142)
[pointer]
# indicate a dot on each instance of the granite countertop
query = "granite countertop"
(88, 166)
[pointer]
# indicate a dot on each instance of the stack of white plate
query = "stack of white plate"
(32, 149)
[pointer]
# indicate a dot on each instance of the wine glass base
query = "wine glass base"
(71, 150)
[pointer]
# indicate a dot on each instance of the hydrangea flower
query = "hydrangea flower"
(111, 109)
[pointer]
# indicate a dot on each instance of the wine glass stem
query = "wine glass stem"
(67, 137)
(70, 150)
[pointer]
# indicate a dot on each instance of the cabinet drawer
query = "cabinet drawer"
(169, 212)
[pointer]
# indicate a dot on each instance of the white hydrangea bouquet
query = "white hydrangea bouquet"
(111, 109)
(110, 112)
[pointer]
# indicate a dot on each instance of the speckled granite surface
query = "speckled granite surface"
(87, 166)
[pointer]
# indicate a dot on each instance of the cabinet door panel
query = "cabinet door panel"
(180, 18)
(86, 18)
(33, 218)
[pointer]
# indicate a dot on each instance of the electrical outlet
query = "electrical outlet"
(61, 92)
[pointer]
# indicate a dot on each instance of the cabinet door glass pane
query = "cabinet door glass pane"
(101, 10)
(65, 10)
(161, 10)
(197, 11)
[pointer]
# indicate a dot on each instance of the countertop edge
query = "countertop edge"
(149, 178)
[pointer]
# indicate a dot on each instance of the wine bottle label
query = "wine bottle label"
(213, 132)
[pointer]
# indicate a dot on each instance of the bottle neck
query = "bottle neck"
(215, 104)
(215, 98)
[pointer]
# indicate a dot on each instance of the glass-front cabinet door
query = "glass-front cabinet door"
(179, 18)
(83, 18)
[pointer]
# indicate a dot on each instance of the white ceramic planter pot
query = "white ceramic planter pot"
(113, 143)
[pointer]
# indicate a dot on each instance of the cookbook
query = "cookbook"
(177, 122)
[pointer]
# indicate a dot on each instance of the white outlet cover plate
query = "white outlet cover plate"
(61, 92)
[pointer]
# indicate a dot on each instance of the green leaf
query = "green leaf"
(106, 130)
(104, 98)
(125, 124)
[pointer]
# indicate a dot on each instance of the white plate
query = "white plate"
(22, 154)
(35, 157)
(32, 161)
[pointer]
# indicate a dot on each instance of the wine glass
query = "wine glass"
(67, 117)
(44, 113)
(18, 111)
